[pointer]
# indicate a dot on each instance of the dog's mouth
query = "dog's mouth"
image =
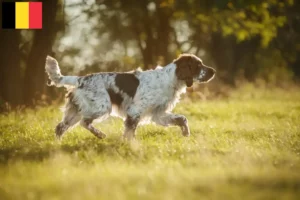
(206, 75)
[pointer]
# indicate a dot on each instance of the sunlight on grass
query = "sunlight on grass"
(242, 147)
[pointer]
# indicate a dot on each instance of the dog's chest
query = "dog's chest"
(168, 99)
(159, 91)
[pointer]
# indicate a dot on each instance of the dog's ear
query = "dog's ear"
(186, 68)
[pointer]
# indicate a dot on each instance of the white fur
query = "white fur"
(56, 77)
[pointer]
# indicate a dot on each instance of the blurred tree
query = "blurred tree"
(34, 80)
(233, 32)
(22, 58)
(146, 22)
(230, 32)
(288, 39)
(243, 38)
(10, 68)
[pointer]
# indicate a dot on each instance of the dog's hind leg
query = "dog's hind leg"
(88, 118)
(71, 117)
(87, 123)
(96, 105)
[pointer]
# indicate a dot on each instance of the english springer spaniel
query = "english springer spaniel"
(137, 97)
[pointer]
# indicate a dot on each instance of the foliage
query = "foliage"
(242, 39)
(244, 19)
(158, 30)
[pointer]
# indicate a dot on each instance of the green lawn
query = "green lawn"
(246, 146)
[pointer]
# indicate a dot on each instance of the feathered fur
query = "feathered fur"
(137, 97)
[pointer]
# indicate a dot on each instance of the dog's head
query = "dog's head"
(190, 68)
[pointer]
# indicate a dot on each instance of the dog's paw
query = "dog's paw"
(100, 135)
(185, 131)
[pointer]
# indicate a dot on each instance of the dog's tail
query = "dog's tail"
(56, 77)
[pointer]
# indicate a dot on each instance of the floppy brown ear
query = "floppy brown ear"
(184, 69)
(189, 82)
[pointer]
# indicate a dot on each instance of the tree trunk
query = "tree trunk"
(10, 68)
(35, 79)
(148, 51)
(163, 34)
(223, 53)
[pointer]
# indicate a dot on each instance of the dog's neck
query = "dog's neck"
(178, 85)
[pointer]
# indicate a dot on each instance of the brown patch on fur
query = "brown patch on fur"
(115, 98)
(188, 66)
(127, 83)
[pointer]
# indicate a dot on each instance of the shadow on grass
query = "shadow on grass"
(112, 147)
(4, 195)
(265, 183)
(40, 153)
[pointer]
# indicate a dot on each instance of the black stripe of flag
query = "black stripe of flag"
(8, 15)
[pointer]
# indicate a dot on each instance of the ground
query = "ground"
(245, 146)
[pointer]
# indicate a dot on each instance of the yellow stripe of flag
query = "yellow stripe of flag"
(22, 15)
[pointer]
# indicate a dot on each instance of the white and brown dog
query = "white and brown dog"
(137, 97)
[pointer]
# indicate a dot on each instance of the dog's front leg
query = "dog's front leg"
(130, 127)
(167, 119)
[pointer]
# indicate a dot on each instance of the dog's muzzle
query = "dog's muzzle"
(206, 74)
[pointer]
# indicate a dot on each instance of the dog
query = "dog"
(137, 97)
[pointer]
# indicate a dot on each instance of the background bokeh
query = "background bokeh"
(254, 41)
(245, 130)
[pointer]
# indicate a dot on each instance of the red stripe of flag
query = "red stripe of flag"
(35, 15)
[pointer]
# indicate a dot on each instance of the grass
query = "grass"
(243, 147)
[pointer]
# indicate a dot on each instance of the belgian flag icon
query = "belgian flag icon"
(22, 15)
